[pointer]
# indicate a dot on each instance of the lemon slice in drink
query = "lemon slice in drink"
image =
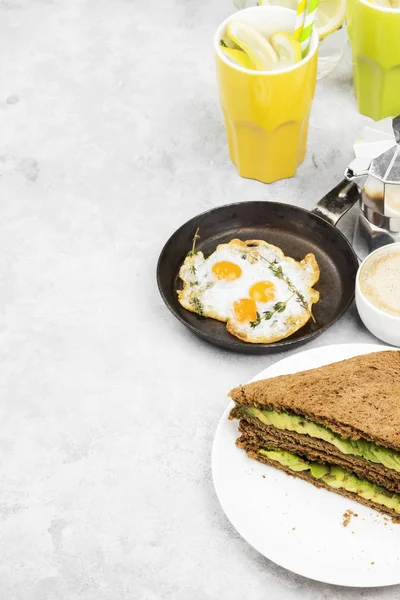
(384, 3)
(238, 57)
(254, 44)
(287, 48)
(329, 18)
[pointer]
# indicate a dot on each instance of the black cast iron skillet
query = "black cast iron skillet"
(296, 231)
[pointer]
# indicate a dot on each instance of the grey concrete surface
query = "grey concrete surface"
(111, 137)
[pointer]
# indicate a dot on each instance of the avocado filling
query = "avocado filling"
(290, 422)
(336, 478)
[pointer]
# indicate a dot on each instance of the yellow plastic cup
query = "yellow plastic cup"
(374, 33)
(266, 113)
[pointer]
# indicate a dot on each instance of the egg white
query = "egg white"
(203, 293)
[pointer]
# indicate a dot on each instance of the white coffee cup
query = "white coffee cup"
(380, 321)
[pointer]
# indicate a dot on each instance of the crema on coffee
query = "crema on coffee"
(380, 281)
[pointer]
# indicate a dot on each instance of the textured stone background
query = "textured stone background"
(111, 137)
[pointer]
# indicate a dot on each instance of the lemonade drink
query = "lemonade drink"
(374, 32)
(266, 112)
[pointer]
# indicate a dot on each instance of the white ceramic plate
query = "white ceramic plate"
(291, 522)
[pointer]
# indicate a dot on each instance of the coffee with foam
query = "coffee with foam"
(380, 280)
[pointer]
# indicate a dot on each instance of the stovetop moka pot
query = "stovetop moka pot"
(376, 172)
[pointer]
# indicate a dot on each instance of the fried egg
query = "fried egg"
(261, 294)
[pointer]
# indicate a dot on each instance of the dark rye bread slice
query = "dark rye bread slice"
(320, 484)
(249, 440)
(357, 398)
(262, 430)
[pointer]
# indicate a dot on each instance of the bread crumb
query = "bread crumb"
(391, 520)
(293, 528)
(347, 517)
(372, 563)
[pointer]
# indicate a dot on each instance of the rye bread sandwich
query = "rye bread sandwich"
(337, 427)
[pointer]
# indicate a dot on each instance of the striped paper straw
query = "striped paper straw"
(300, 15)
(305, 36)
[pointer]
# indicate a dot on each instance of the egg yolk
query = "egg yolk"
(262, 291)
(226, 270)
(245, 310)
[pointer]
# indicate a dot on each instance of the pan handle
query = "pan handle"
(337, 202)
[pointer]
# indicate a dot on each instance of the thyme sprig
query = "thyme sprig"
(192, 252)
(277, 270)
(197, 305)
(268, 314)
(196, 237)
